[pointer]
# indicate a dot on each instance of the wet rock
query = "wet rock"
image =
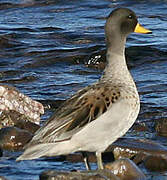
(161, 127)
(152, 154)
(13, 118)
(82, 41)
(12, 138)
(137, 149)
(140, 127)
(13, 102)
(86, 175)
(6, 42)
(5, 119)
(156, 163)
(77, 157)
(2, 178)
(27, 125)
(126, 169)
(1, 152)
(97, 60)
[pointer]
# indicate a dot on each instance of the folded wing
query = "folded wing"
(84, 107)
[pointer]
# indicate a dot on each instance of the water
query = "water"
(44, 46)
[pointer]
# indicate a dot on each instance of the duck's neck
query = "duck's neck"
(116, 68)
(115, 43)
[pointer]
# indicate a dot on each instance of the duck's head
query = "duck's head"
(120, 23)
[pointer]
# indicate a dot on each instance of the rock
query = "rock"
(5, 119)
(130, 148)
(156, 163)
(13, 102)
(13, 118)
(151, 153)
(85, 175)
(2, 178)
(126, 169)
(1, 152)
(161, 127)
(12, 138)
(140, 127)
(77, 157)
(27, 125)
(96, 60)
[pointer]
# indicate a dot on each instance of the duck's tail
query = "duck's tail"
(47, 149)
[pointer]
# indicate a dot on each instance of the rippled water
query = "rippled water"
(45, 47)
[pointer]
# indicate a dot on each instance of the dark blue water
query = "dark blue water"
(45, 47)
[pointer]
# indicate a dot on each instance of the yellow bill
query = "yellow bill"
(140, 29)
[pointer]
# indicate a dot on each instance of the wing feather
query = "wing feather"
(81, 109)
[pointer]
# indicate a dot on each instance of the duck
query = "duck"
(97, 115)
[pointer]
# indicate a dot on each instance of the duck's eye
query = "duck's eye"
(130, 17)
